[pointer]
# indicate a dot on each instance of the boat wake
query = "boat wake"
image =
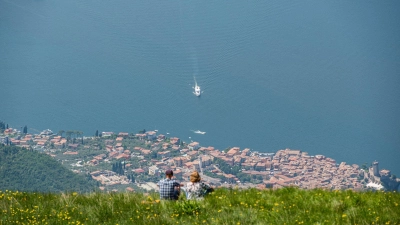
(197, 90)
(199, 132)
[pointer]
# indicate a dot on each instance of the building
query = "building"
(153, 170)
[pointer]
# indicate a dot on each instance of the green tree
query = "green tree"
(68, 133)
(2, 126)
(79, 133)
(61, 132)
(97, 133)
(364, 166)
(25, 129)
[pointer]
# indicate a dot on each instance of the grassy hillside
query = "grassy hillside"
(284, 206)
(25, 170)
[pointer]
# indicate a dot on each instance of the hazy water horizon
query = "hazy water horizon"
(315, 76)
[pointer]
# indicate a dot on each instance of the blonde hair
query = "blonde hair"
(195, 177)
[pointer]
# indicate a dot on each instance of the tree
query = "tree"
(74, 133)
(79, 133)
(25, 129)
(364, 166)
(68, 133)
(153, 155)
(97, 133)
(2, 126)
(61, 132)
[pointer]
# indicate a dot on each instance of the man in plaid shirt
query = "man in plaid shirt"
(169, 188)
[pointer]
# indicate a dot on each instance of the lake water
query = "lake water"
(322, 77)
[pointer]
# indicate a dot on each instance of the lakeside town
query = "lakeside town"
(136, 161)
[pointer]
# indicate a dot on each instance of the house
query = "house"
(210, 148)
(93, 162)
(174, 140)
(113, 154)
(15, 142)
(233, 151)
(70, 153)
(189, 165)
(196, 165)
(205, 160)
(178, 174)
(119, 149)
(72, 146)
(192, 155)
(153, 170)
(177, 161)
(151, 135)
(194, 145)
(230, 178)
(229, 161)
(123, 156)
(165, 145)
(175, 147)
(293, 152)
(161, 137)
(139, 170)
(100, 157)
(119, 139)
(145, 151)
(140, 136)
(123, 134)
(246, 152)
(249, 166)
(164, 154)
(107, 134)
(160, 164)
(260, 166)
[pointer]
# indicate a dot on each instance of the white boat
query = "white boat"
(197, 90)
(199, 132)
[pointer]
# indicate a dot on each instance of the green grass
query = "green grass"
(224, 206)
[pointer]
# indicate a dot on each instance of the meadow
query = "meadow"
(223, 206)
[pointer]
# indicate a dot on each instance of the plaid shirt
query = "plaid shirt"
(167, 189)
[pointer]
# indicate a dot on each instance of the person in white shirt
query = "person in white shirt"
(196, 189)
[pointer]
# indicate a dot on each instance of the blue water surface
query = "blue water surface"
(322, 77)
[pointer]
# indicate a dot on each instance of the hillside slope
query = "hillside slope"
(25, 170)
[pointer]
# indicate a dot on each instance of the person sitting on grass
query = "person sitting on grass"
(196, 189)
(169, 188)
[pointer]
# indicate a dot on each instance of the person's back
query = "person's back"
(169, 188)
(196, 189)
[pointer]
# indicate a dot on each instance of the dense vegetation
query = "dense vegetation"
(224, 206)
(25, 170)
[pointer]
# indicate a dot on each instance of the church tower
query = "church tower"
(375, 168)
